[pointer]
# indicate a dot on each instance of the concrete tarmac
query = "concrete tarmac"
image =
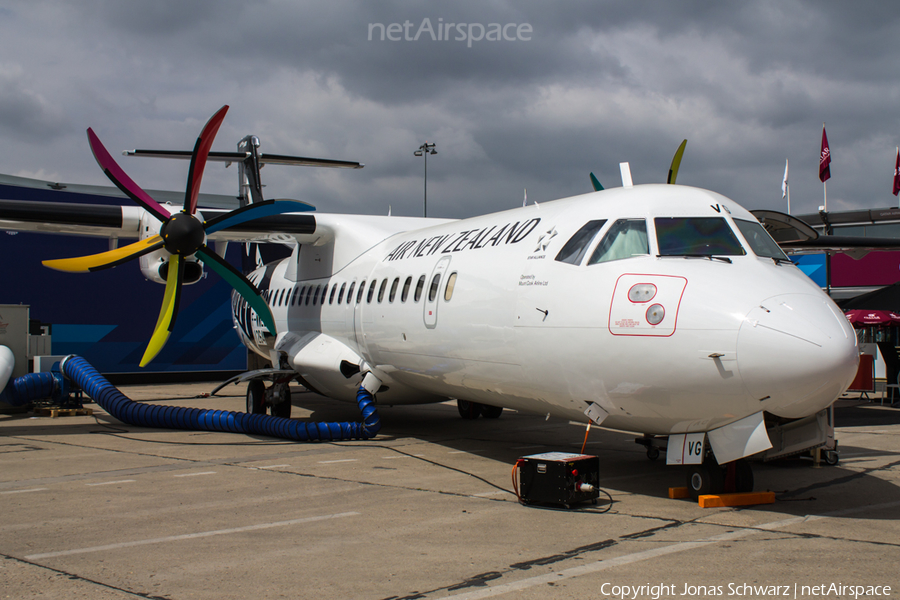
(91, 508)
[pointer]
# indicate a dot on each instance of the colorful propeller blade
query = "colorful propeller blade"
(123, 181)
(167, 312)
(258, 210)
(241, 284)
(198, 159)
(676, 163)
(105, 260)
(596, 183)
(181, 235)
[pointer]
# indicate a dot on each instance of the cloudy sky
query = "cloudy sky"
(572, 87)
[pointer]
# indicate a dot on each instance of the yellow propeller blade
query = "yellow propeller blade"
(104, 260)
(167, 312)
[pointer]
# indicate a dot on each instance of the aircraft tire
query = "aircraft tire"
(256, 397)
(743, 476)
(468, 410)
(491, 412)
(708, 478)
(283, 408)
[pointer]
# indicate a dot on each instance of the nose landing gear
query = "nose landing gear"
(713, 478)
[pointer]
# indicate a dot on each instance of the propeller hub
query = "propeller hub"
(182, 234)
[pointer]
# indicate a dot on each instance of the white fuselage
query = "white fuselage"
(524, 330)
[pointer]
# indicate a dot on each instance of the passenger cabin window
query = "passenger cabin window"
(362, 290)
(433, 290)
(451, 283)
(394, 287)
(405, 293)
(331, 297)
(420, 285)
(696, 236)
(626, 238)
(760, 241)
(574, 250)
(350, 293)
(371, 291)
(341, 293)
(381, 290)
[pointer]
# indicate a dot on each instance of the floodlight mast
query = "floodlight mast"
(424, 150)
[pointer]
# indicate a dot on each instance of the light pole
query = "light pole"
(424, 150)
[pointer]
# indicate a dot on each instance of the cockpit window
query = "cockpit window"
(625, 238)
(696, 236)
(574, 250)
(759, 239)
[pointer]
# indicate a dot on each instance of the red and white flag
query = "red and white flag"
(824, 159)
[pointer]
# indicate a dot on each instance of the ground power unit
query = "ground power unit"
(558, 478)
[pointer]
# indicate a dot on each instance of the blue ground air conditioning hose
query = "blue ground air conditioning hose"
(126, 410)
(28, 388)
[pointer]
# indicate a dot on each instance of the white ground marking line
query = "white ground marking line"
(195, 474)
(486, 494)
(527, 447)
(395, 457)
(466, 451)
(602, 565)
(111, 482)
(272, 467)
(189, 536)
(25, 491)
(330, 462)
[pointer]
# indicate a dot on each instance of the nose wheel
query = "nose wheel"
(712, 478)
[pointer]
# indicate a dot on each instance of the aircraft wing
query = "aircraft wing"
(113, 221)
(796, 236)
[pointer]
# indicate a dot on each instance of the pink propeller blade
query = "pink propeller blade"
(122, 180)
(198, 159)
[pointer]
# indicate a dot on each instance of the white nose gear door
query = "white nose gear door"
(432, 292)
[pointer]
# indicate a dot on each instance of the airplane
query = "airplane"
(660, 309)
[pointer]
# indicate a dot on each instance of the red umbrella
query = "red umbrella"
(869, 318)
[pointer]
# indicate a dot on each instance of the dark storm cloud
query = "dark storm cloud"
(597, 83)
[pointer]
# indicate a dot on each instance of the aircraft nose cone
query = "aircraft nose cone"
(796, 354)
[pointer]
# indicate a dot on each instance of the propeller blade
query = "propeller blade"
(676, 163)
(122, 180)
(198, 159)
(105, 260)
(596, 183)
(257, 210)
(168, 311)
(241, 284)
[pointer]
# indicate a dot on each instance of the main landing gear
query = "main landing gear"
(276, 398)
(471, 410)
(712, 478)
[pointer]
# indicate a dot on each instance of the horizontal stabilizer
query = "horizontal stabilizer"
(264, 159)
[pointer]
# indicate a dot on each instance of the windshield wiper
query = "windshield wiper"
(781, 261)
(707, 256)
